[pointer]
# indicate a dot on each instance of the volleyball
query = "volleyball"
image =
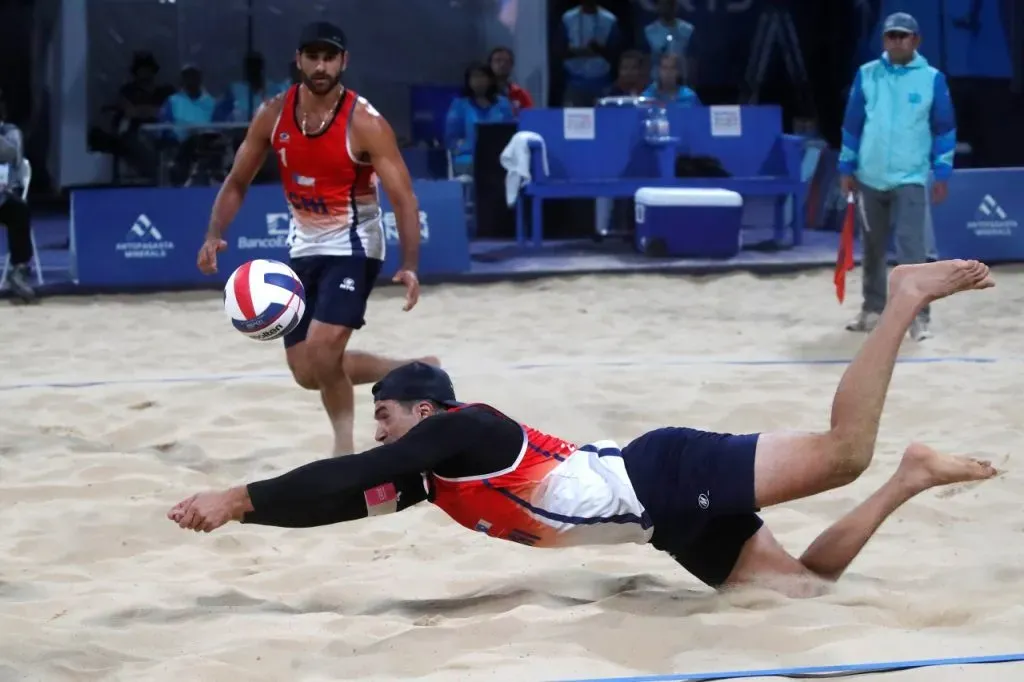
(264, 299)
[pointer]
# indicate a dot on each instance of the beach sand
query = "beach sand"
(96, 584)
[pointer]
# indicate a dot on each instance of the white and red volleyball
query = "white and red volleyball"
(264, 299)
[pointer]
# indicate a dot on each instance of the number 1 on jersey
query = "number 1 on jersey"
(284, 157)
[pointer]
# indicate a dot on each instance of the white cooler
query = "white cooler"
(688, 222)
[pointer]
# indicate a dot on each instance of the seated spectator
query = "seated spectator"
(480, 103)
(502, 61)
(192, 106)
(668, 86)
(590, 40)
(669, 33)
(14, 211)
(245, 96)
(631, 79)
(139, 102)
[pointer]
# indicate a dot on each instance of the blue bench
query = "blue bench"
(617, 161)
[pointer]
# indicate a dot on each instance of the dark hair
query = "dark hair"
(407, 405)
(501, 48)
(485, 69)
(144, 59)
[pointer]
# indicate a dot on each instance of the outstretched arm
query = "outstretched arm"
(335, 489)
(323, 510)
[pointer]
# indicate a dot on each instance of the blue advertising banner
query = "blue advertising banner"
(983, 216)
(148, 238)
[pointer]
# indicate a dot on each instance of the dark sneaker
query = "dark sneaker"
(20, 281)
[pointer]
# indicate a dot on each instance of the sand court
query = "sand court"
(112, 409)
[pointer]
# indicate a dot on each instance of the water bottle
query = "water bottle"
(655, 124)
(663, 127)
(650, 126)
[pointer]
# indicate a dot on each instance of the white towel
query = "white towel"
(515, 159)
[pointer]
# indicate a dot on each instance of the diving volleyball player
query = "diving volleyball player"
(693, 494)
(331, 146)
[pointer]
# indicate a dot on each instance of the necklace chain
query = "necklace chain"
(325, 120)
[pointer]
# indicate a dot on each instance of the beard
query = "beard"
(320, 84)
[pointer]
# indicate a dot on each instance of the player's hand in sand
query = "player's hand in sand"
(412, 287)
(210, 510)
(207, 260)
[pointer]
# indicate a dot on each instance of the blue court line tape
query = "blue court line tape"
(791, 362)
(817, 672)
(188, 379)
(521, 366)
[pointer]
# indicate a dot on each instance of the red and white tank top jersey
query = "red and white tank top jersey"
(332, 195)
(555, 494)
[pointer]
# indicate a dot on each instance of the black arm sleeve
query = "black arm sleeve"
(331, 490)
(347, 506)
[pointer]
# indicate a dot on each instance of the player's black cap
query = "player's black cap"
(322, 33)
(416, 381)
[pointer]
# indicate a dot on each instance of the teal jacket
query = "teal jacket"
(684, 95)
(899, 125)
(460, 124)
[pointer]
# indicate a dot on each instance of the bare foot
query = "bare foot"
(931, 281)
(431, 360)
(923, 467)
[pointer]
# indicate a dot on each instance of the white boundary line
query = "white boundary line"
(553, 363)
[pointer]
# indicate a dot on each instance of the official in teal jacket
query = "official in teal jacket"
(898, 129)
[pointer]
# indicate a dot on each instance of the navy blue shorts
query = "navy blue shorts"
(337, 289)
(698, 488)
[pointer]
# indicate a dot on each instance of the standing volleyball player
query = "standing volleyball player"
(331, 147)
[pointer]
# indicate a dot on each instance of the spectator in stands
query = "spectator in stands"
(899, 126)
(668, 86)
(191, 104)
(480, 103)
(191, 107)
(590, 43)
(669, 33)
(14, 211)
(243, 97)
(631, 79)
(502, 60)
(139, 102)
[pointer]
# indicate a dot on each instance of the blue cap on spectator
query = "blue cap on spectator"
(900, 22)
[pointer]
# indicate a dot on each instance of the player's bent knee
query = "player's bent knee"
(325, 363)
(324, 349)
(305, 379)
(301, 370)
(848, 458)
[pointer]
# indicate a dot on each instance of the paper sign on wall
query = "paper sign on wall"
(578, 124)
(726, 121)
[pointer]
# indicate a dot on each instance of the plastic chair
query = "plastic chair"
(26, 181)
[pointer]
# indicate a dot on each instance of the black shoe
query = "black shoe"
(21, 283)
